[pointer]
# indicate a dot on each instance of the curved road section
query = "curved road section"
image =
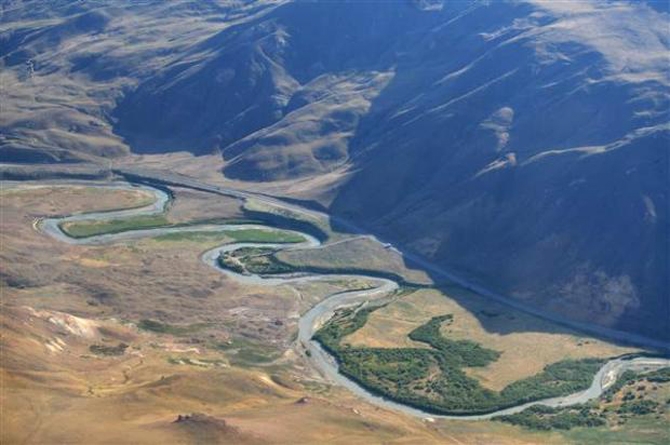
(313, 319)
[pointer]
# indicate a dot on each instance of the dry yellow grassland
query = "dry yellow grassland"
(60, 302)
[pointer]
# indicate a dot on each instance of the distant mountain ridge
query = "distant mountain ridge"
(524, 145)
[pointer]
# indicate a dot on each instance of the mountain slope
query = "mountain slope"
(522, 144)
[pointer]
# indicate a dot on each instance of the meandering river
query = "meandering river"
(314, 318)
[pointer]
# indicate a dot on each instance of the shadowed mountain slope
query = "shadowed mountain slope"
(522, 144)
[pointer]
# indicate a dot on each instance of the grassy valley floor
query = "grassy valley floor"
(113, 343)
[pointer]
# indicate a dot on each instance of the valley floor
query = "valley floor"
(139, 341)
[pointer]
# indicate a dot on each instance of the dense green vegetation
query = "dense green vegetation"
(457, 353)
(659, 376)
(631, 403)
(638, 407)
(84, 229)
(540, 417)
(191, 236)
(433, 378)
(264, 236)
(344, 322)
(562, 378)
(241, 235)
(87, 228)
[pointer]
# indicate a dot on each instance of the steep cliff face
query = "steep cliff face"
(522, 144)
